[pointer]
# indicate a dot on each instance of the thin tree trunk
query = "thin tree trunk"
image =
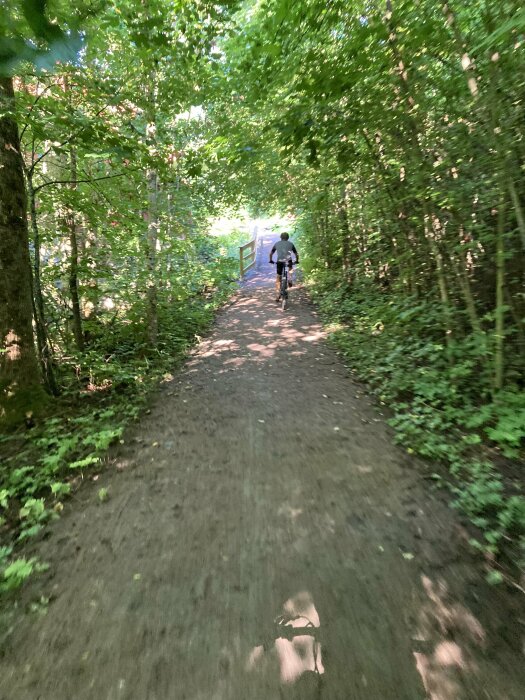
(519, 323)
(408, 272)
(466, 62)
(520, 217)
(151, 239)
(71, 225)
(431, 234)
(20, 381)
(499, 326)
(345, 229)
(153, 223)
(466, 290)
(44, 347)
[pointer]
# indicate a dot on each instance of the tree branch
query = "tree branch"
(48, 87)
(69, 138)
(76, 182)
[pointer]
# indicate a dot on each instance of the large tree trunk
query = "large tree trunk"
(20, 382)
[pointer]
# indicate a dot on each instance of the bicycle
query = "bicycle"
(283, 291)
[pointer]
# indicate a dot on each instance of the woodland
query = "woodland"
(390, 131)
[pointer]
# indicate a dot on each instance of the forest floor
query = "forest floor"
(262, 492)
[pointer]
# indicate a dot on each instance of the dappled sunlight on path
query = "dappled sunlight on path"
(264, 539)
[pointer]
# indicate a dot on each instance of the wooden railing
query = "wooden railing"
(247, 256)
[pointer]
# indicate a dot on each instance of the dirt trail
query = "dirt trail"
(263, 483)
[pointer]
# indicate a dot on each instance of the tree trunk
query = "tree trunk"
(499, 329)
(520, 217)
(431, 233)
(345, 230)
(20, 382)
(151, 240)
(151, 236)
(44, 347)
(71, 225)
(466, 290)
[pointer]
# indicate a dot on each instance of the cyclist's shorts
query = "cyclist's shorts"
(280, 264)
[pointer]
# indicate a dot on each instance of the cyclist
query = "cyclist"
(284, 249)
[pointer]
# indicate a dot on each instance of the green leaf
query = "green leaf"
(494, 577)
(85, 462)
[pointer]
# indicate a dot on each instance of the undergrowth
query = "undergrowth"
(103, 390)
(442, 404)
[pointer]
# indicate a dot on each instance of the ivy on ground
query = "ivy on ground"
(440, 410)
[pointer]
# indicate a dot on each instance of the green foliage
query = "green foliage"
(508, 419)
(27, 34)
(60, 489)
(103, 495)
(406, 184)
(122, 371)
(33, 515)
(230, 243)
(440, 396)
(494, 577)
(13, 573)
(16, 573)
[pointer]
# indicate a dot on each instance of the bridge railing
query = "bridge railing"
(246, 257)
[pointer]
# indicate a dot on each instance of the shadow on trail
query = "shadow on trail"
(262, 474)
(294, 645)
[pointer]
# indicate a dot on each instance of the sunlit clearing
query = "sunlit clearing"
(231, 223)
(241, 222)
(196, 112)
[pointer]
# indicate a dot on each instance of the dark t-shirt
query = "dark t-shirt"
(283, 250)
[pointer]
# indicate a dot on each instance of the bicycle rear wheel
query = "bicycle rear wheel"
(284, 290)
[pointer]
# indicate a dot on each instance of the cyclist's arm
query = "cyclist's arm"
(294, 251)
(271, 254)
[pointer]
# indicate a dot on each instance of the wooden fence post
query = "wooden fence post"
(246, 261)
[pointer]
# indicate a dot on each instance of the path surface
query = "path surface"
(263, 487)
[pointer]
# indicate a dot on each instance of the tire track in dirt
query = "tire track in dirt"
(263, 483)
